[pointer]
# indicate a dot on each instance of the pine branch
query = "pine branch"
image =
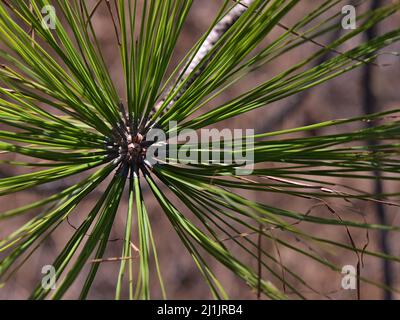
(198, 60)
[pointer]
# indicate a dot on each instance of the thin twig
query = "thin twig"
(113, 259)
(114, 23)
(259, 253)
(93, 12)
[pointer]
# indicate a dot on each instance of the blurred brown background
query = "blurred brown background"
(341, 97)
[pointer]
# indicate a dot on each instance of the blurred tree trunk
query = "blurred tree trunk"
(370, 105)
